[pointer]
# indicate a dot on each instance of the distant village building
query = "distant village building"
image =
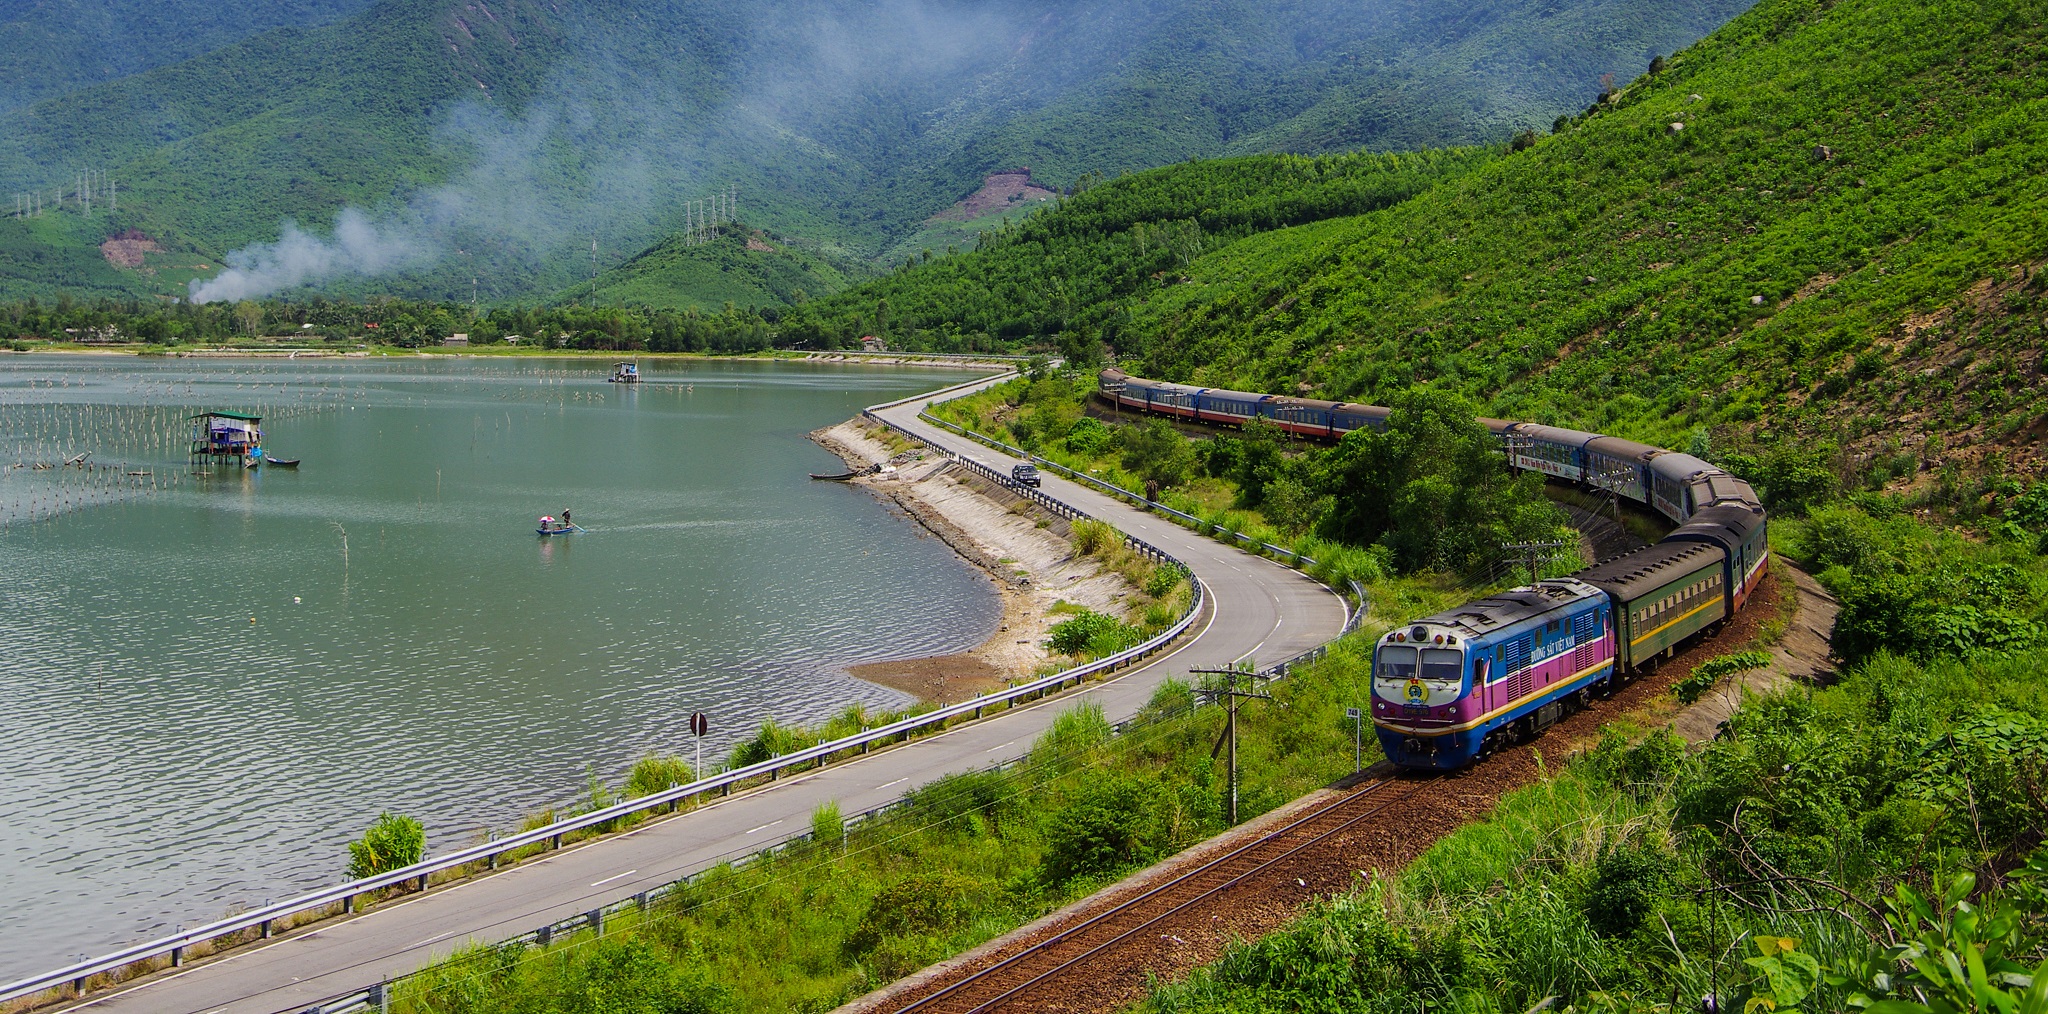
(870, 343)
(456, 339)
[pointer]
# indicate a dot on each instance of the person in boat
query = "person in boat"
(547, 523)
(566, 523)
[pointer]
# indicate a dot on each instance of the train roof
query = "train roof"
(1627, 450)
(1112, 373)
(1633, 575)
(1292, 402)
(1679, 466)
(1368, 411)
(1221, 394)
(1496, 426)
(1556, 434)
(1504, 609)
(1723, 488)
(1723, 525)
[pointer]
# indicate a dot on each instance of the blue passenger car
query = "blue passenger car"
(1220, 406)
(1551, 450)
(1308, 417)
(1671, 479)
(1620, 465)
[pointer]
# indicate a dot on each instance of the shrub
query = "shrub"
(827, 826)
(1111, 824)
(1088, 437)
(1709, 672)
(393, 842)
(1626, 880)
(1095, 634)
(914, 910)
(1091, 536)
(654, 773)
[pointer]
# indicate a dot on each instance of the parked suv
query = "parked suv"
(1025, 475)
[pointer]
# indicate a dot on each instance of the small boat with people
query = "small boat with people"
(550, 526)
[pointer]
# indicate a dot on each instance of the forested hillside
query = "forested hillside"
(1824, 219)
(497, 143)
(50, 47)
(1821, 221)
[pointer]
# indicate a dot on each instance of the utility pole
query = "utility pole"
(1230, 693)
(1537, 554)
(593, 272)
(1609, 479)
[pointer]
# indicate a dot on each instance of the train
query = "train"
(1451, 688)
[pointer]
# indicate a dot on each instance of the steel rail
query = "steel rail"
(1129, 903)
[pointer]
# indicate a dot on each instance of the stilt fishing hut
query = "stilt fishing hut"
(625, 373)
(225, 436)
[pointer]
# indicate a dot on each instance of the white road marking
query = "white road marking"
(766, 826)
(429, 940)
(613, 877)
(993, 749)
(898, 781)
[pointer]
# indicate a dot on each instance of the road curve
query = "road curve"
(1258, 609)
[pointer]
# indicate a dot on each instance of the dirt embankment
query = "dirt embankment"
(1023, 548)
(1008, 190)
(126, 249)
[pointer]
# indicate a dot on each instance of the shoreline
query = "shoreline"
(934, 360)
(1023, 549)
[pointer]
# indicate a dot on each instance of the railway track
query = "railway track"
(1012, 982)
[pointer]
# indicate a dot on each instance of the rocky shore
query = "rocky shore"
(1020, 546)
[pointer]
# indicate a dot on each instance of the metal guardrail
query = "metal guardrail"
(263, 919)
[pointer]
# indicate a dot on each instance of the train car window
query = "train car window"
(1551, 627)
(1443, 664)
(1397, 661)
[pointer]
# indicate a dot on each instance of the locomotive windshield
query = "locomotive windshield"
(1397, 662)
(1443, 664)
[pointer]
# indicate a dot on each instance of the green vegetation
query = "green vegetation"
(555, 124)
(1833, 247)
(1842, 829)
(56, 47)
(968, 858)
(1425, 494)
(1710, 672)
(394, 322)
(393, 842)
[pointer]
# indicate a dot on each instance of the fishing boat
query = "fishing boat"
(281, 462)
(549, 526)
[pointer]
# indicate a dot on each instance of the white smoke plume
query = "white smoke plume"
(614, 141)
(358, 247)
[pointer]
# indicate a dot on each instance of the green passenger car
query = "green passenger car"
(1660, 597)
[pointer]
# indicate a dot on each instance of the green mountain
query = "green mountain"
(1822, 220)
(495, 143)
(50, 47)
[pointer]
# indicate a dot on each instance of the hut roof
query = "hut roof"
(229, 415)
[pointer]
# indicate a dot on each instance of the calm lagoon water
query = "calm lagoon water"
(415, 647)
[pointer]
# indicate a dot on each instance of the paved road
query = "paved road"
(1258, 608)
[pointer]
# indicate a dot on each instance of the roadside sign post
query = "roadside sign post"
(1357, 717)
(699, 725)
